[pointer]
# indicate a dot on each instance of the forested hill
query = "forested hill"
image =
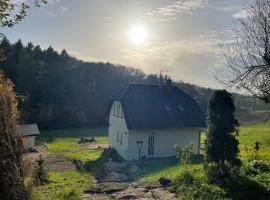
(59, 91)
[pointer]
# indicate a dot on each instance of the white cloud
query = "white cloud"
(169, 12)
(241, 14)
(64, 9)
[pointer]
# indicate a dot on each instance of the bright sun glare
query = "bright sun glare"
(138, 34)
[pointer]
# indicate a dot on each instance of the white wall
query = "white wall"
(118, 126)
(165, 141)
(29, 142)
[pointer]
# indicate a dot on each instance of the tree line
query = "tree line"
(57, 90)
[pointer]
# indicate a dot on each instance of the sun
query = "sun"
(138, 34)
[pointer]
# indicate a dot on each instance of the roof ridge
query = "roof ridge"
(149, 84)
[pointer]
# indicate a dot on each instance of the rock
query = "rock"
(132, 193)
(165, 182)
(116, 177)
(95, 197)
(152, 185)
(106, 187)
(162, 194)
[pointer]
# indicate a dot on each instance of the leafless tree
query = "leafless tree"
(248, 58)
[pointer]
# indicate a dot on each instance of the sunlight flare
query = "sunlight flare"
(138, 34)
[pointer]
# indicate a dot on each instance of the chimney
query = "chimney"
(168, 86)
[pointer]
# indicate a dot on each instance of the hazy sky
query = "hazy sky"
(182, 37)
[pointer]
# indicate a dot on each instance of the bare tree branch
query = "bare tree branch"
(248, 59)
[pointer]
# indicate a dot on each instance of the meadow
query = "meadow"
(65, 142)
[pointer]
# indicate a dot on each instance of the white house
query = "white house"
(150, 120)
(28, 132)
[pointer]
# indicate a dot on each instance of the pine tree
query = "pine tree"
(221, 144)
(11, 181)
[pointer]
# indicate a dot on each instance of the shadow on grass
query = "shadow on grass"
(96, 167)
(244, 188)
(157, 165)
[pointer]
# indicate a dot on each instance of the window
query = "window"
(180, 108)
(121, 141)
(118, 110)
(117, 136)
(114, 109)
(151, 144)
(122, 114)
(167, 107)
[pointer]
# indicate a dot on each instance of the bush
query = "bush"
(185, 154)
(187, 186)
(69, 195)
(254, 168)
(40, 173)
(244, 188)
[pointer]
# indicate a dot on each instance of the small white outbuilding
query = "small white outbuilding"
(28, 132)
(150, 120)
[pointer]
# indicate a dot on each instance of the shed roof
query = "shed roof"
(148, 106)
(27, 130)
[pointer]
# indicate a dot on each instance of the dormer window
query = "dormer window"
(180, 108)
(167, 107)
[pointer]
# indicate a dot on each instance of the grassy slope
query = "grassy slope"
(70, 148)
(63, 183)
(65, 142)
(249, 134)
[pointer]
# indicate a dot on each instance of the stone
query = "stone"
(152, 185)
(162, 194)
(95, 197)
(106, 187)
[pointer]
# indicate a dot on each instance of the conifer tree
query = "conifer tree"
(221, 144)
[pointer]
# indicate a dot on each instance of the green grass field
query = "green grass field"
(249, 134)
(65, 142)
(70, 148)
(62, 183)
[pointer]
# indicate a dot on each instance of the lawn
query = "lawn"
(157, 168)
(62, 183)
(65, 142)
(70, 148)
(249, 134)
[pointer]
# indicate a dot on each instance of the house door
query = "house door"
(151, 145)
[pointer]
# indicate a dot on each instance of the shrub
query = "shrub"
(185, 154)
(11, 181)
(254, 168)
(40, 173)
(187, 186)
(69, 195)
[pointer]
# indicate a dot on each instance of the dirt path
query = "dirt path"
(118, 184)
(53, 161)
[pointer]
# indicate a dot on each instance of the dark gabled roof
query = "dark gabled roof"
(150, 107)
(27, 130)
